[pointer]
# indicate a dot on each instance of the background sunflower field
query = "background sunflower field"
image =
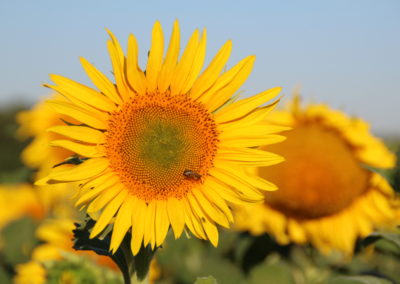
(239, 258)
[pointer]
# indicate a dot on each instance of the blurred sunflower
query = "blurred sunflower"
(56, 237)
(17, 201)
(38, 155)
(33, 124)
(165, 146)
(327, 193)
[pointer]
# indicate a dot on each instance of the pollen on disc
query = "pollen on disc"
(154, 138)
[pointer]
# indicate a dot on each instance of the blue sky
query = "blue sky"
(345, 53)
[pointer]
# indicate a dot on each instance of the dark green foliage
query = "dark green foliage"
(11, 167)
(20, 239)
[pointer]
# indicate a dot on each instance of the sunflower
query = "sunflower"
(327, 193)
(165, 146)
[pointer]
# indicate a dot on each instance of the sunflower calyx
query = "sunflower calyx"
(130, 266)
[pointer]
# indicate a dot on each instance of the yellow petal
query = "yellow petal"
(104, 198)
(249, 142)
(249, 157)
(101, 81)
(183, 68)
(211, 230)
(72, 100)
(88, 169)
(168, 68)
(224, 80)
(245, 106)
(223, 95)
(91, 151)
(76, 91)
(212, 212)
(154, 61)
(203, 220)
(210, 75)
(197, 64)
(120, 84)
(98, 181)
(138, 226)
(253, 180)
(122, 223)
(108, 213)
(162, 222)
(96, 186)
(176, 218)
(237, 130)
(149, 223)
(218, 201)
(229, 194)
(191, 221)
(240, 187)
(245, 190)
(296, 232)
(257, 117)
(118, 62)
(80, 133)
(135, 76)
(82, 115)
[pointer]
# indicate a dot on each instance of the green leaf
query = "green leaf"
(206, 280)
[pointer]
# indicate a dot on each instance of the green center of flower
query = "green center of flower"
(162, 144)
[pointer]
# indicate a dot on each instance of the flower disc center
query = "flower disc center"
(155, 138)
(162, 144)
(320, 176)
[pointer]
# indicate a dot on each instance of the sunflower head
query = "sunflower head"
(165, 145)
(327, 193)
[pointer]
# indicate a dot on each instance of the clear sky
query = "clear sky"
(343, 52)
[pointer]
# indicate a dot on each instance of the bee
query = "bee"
(74, 160)
(189, 174)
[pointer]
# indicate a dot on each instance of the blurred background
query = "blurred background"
(343, 53)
